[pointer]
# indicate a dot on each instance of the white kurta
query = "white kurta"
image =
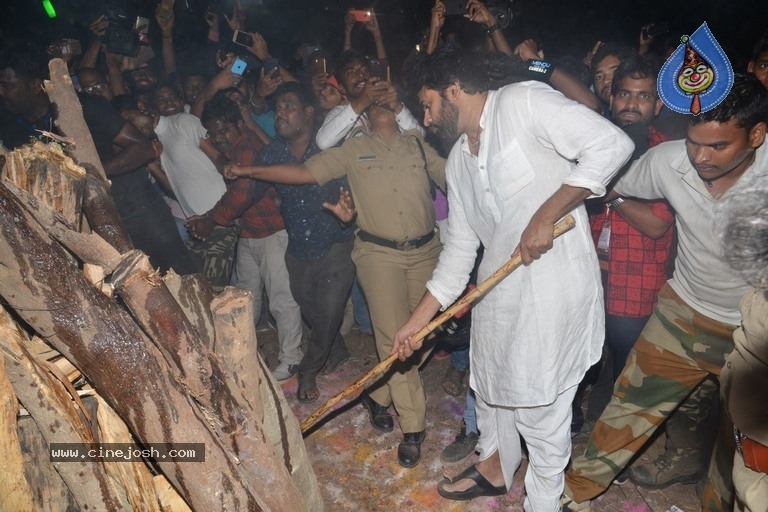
(539, 330)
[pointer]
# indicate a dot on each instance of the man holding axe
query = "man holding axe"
(525, 157)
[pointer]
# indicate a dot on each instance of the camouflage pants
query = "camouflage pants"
(217, 254)
(676, 351)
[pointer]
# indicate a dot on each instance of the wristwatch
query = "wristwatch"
(616, 202)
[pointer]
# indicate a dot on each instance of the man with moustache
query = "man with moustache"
(361, 90)
(525, 157)
(395, 250)
(689, 335)
(262, 242)
(604, 64)
(633, 238)
(319, 254)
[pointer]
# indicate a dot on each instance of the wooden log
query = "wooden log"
(236, 343)
(49, 175)
(282, 428)
(15, 493)
(88, 247)
(159, 314)
(69, 116)
(103, 341)
(169, 499)
(102, 215)
(50, 493)
(194, 294)
(51, 406)
(133, 477)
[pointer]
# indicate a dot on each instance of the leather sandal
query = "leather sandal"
(482, 486)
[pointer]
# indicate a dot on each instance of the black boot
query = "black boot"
(409, 451)
(379, 415)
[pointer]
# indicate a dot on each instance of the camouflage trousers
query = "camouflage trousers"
(676, 351)
(217, 254)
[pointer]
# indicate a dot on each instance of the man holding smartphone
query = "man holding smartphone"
(362, 90)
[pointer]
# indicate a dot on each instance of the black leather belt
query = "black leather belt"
(400, 245)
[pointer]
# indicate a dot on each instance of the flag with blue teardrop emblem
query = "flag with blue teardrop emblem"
(697, 76)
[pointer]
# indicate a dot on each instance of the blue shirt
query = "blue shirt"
(312, 229)
(266, 121)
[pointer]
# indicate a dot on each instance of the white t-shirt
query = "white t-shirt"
(702, 277)
(537, 332)
(197, 184)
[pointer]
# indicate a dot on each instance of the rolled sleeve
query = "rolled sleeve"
(598, 147)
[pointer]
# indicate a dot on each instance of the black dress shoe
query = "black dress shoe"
(409, 451)
(380, 417)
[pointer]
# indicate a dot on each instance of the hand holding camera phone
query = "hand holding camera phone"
(655, 29)
(455, 7)
(380, 69)
(242, 38)
(238, 66)
(361, 15)
(271, 67)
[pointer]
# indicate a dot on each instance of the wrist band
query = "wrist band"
(493, 28)
(540, 69)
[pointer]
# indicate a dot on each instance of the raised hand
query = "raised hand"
(591, 53)
(529, 49)
(437, 20)
(479, 13)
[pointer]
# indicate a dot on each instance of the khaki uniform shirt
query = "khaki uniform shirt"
(744, 378)
(389, 183)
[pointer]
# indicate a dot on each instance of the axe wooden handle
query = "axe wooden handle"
(562, 226)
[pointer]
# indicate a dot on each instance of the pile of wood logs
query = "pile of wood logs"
(157, 359)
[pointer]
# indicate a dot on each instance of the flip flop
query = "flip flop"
(482, 486)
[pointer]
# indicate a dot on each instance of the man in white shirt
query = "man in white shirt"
(689, 335)
(526, 156)
(196, 183)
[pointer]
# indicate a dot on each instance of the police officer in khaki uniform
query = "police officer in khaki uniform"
(743, 224)
(396, 248)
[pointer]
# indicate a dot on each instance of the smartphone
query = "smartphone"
(319, 66)
(271, 67)
(361, 15)
(656, 29)
(242, 38)
(141, 27)
(71, 47)
(238, 66)
(455, 7)
(380, 69)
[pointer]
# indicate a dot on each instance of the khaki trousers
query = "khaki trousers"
(393, 283)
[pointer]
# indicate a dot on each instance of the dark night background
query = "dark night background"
(563, 27)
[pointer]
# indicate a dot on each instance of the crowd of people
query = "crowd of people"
(338, 181)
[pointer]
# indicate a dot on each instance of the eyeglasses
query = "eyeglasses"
(95, 88)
